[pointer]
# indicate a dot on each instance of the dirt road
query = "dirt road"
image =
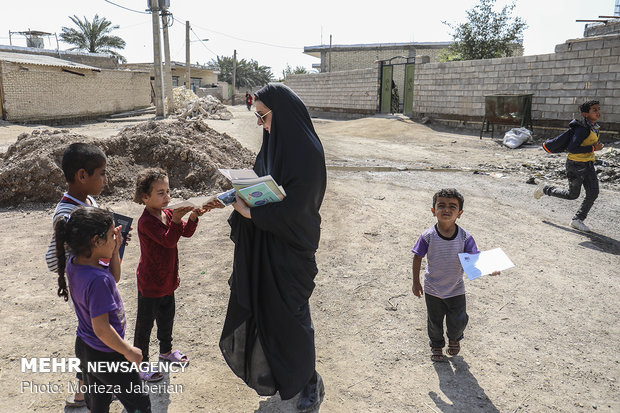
(543, 336)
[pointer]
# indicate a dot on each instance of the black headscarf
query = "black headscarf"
(265, 339)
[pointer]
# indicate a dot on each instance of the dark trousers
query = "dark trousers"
(99, 401)
(159, 310)
(578, 173)
(453, 310)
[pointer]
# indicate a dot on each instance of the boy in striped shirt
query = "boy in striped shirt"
(84, 167)
(444, 289)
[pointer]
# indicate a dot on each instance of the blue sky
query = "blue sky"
(275, 32)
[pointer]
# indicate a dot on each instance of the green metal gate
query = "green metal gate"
(386, 88)
(387, 82)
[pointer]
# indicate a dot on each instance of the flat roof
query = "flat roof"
(316, 50)
(41, 60)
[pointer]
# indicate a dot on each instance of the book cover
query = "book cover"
(125, 223)
(258, 194)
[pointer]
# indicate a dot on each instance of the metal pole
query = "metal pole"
(187, 72)
(330, 54)
(168, 66)
(234, 77)
(10, 41)
(159, 103)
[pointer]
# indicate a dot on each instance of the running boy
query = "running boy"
(159, 230)
(580, 164)
(84, 167)
(444, 290)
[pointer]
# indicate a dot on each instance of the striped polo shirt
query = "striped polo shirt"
(444, 273)
(64, 208)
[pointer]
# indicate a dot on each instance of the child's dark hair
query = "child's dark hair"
(144, 181)
(81, 156)
(449, 193)
(76, 234)
(585, 106)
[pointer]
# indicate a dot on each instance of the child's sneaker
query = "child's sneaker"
(539, 191)
(578, 224)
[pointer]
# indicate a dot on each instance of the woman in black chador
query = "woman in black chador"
(268, 336)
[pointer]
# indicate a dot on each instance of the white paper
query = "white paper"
(235, 174)
(486, 262)
(195, 202)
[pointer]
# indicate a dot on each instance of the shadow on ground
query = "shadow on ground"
(597, 242)
(461, 389)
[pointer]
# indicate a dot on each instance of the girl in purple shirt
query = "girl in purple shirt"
(91, 237)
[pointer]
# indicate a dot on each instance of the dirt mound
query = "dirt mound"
(189, 150)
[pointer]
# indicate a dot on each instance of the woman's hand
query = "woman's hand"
(241, 207)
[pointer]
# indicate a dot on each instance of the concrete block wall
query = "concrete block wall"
(43, 93)
(358, 58)
(579, 70)
(345, 94)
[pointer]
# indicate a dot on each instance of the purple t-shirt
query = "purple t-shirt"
(93, 291)
(444, 273)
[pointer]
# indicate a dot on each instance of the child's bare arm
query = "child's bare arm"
(115, 261)
(417, 287)
(109, 336)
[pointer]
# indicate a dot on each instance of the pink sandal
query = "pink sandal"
(175, 357)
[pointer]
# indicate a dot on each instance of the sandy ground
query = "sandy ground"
(543, 337)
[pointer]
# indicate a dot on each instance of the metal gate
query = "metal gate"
(389, 88)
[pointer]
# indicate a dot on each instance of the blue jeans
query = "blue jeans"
(578, 173)
(453, 310)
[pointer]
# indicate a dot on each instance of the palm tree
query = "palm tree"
(93, 37)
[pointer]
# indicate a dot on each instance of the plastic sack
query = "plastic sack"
(516, 137)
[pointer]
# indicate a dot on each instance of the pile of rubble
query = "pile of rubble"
(552, 167)
(189, 106)
(188, 150)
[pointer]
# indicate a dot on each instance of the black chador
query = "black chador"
(268, 337)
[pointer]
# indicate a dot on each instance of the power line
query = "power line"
(245, 40)
(126, 8)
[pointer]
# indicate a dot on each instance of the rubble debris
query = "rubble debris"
(188, 150)
(189, 106)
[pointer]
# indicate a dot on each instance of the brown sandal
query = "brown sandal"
(453, 347)
(437, 355)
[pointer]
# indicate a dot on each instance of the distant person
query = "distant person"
(268, 335)
(395, 99)
(580, 164)
(84, 168)
(159, 230)
(248, 100)
(91, 237)
(444, 289)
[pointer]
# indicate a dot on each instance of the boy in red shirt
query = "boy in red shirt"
(159, 231)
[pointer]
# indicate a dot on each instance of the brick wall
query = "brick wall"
(578, 70)
(346, 94)
(44, 93)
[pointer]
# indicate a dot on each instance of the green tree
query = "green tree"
(249, 73)
(486, 34)
(299, 70)
(93, 37)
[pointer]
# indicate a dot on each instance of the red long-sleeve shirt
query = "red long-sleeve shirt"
(158, 269)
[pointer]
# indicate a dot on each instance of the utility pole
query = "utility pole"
(168, 65)
(234, 77)
(329, 68)
(187, 72)
(159, 103)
